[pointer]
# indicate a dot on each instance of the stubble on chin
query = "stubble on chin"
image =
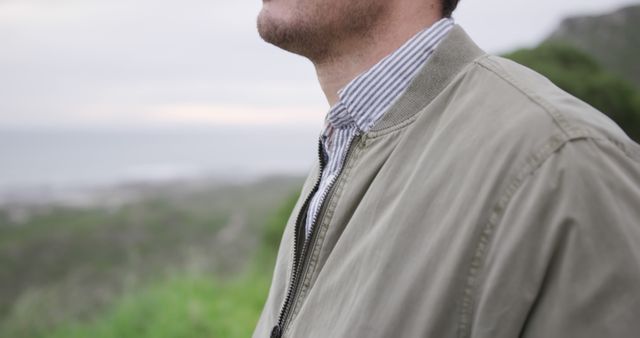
(298, 37)
(317, 33)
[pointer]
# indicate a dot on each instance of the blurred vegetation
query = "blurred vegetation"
(182, 307)
(610, 38)
(579, 74)
(174, 263)
(193, 306)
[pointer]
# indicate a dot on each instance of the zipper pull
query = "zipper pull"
(276, 332)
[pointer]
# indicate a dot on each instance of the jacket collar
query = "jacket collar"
(364, 99)
(454, 53)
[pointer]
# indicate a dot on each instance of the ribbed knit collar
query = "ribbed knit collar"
(363, 100)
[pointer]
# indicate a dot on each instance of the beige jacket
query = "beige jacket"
(486, 203)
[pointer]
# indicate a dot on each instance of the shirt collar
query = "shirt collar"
(364, 99)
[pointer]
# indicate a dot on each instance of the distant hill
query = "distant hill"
(579, 74)
(613, 39)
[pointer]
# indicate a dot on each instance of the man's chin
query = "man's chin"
(275, 31)
(295, 36)
(267, 27)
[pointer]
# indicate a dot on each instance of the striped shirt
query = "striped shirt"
(365, 99)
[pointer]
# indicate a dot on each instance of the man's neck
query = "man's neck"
(355, 56)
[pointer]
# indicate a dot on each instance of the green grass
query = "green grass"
(45, 263)
(180, 305)
(180, 308)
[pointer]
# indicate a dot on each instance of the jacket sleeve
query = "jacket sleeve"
(564, 258)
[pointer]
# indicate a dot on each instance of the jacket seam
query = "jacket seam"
(567, 128)
(490, 64)
(532, 164)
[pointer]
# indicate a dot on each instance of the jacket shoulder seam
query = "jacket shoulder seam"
(533, 163)
(569, 129)
(483, 243)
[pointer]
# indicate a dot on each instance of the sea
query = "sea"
(36, 160)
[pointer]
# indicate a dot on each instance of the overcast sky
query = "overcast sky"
(135, 63)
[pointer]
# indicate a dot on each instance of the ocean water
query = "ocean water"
(31, 159)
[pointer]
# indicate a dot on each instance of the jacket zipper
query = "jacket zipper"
(300, 245)
(276, 332)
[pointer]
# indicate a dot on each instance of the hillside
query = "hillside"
(612, 39)
(579, 74)
(181, 245)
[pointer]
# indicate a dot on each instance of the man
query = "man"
(456, 194)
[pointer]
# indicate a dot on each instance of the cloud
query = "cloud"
(238, 115)
(68, 61)
(64, 56)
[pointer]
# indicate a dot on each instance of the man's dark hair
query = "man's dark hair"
(448, 6)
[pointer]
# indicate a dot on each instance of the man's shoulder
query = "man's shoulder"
(500, 117)
(537, 98)
(511, 104)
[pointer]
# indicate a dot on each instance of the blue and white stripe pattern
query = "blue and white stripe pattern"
(365, 99)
